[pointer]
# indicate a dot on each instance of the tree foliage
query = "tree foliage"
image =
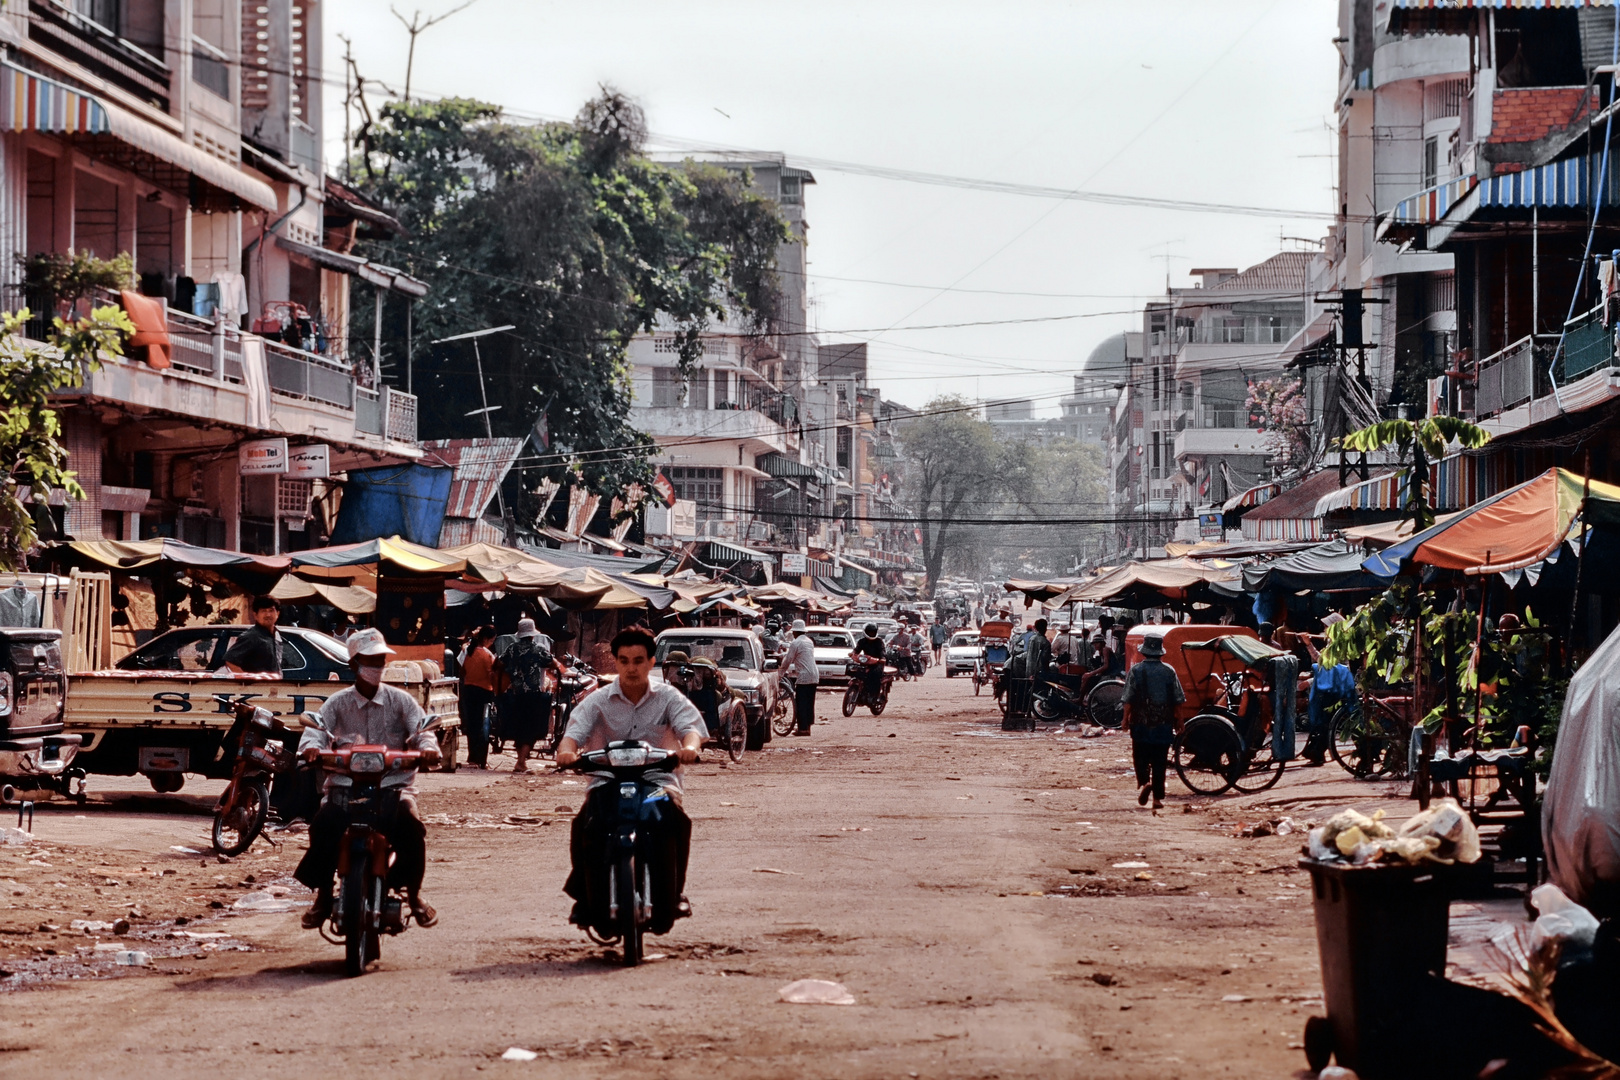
(1281, 407)
(1420, 442)
(569, 232)
(31, 453)
(952, 466)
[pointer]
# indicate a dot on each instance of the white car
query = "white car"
(961, 653)
(833, 645)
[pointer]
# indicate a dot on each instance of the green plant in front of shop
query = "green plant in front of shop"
(1419, 442)
(32, 456)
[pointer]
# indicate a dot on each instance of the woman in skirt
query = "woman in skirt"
(528, 666)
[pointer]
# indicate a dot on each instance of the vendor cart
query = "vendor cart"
(1242, 694)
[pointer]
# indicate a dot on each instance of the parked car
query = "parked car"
(306, 655)
(962, 652)
(740, 655)
(833, 646)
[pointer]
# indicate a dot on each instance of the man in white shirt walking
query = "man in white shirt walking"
(799, 667)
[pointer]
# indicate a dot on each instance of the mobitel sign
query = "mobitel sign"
(259, 456)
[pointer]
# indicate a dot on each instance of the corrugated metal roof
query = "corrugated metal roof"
(480, 465)
(457, 532)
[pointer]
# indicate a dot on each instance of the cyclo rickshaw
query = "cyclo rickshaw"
(995, 648)
(1236, 728)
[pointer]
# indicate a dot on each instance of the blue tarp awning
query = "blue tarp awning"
(393, 500)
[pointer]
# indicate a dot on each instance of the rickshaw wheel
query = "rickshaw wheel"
(1001, 699)
(1103, 703)
(1208, 754)
(1361, 745)
(1262, 773)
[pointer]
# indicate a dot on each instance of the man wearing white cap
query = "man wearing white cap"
(799, 667)
(369, 712)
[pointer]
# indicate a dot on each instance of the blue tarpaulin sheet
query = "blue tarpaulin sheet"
(393, 500)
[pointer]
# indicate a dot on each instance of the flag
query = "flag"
(541, 433)
(665, 489)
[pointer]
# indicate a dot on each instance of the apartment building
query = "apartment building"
(1184, 439)
(187, 134)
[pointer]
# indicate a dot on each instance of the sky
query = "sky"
(980, 293)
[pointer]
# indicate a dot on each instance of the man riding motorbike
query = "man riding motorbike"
(632, 707)
(372, 713)
(871, 646)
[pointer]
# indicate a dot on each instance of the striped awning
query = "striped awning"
(1432, 204)
(1452, 5)
(1566, 184)
(1455, 482)
(1255, 496)
(30, 102)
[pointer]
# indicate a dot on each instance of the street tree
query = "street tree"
(571, 234)
(952, 460)
(31, 452)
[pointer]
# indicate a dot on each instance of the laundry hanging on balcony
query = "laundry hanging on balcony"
(150, 341)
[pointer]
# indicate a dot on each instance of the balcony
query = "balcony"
(757, 431)
(75, 32)
(1222, 441)
(1516, 390)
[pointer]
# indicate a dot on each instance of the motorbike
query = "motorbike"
(622, 897)
(903, 664)
(1055, 699)
(365, 907)
(257, 742)
(857, 693)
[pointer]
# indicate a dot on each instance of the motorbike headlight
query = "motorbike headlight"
(367, 762)
(627, 756)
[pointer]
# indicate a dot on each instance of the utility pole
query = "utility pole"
(507, 520)
(417, 26)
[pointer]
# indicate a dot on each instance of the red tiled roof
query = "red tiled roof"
(1531, 113)
(1286, 271)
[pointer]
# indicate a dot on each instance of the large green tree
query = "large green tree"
(952, 471)
(570, 233)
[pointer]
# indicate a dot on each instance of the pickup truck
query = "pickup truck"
(164, 724)
(35, 754)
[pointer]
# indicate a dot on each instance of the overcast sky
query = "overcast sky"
(1224, 102)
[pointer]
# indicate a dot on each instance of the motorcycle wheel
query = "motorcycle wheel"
(737, 734)
(1044, 708)
(850, 697)
(353, 920)
(782, 716)
(629, 929)
(237, 825)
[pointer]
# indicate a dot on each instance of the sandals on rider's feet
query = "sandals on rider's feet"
(425, 915)
(318, 913)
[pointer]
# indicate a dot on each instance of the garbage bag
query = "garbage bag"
(1580, 811)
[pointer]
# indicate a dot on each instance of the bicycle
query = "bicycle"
(1371, 740)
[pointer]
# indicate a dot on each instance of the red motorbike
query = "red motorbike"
(859, 693)
(364, 907)
(258, 741)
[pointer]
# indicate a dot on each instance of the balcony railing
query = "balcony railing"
(1506, 379)
(388, 413)
(1588, 345)
(299, 374)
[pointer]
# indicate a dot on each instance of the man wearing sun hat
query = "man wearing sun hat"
(1152, 692)
(369, 712)
(799, 667)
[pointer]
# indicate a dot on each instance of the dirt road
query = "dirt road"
(982, 895)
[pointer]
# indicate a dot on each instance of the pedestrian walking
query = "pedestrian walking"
(938, 635)
(528, 715)
(799, 666)
(477, 692)
(1152, 692)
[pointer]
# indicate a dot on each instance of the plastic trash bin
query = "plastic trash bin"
(1381, 934)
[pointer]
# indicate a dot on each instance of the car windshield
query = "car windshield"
(731, 653)
(831, 641)
(178, 650)
(964, 639)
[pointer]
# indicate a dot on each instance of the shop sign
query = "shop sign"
(794, 563)
(261, 456)
(313, 461)
(683, 519)
(1209, 527)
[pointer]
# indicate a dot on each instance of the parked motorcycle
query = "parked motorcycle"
(857, 693)
(631, 888)
(1055, 699)
(257, 742)
(365, 907)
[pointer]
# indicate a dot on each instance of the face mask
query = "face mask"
(368, 676)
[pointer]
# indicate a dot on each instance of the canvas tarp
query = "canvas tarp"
(1511, 530)
(392, 555)
(1388, 532)
(351, 599)
(1169, 578)
(393, 500)
(1334, 565)
(1580, 811)
(256, 573)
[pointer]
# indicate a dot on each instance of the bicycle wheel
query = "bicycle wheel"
(236, 826)
(782, 714)
(1362, 745)
(1103, 703)
(737, 734)
(1262, 770)
(1208, 754)
(1045, 708)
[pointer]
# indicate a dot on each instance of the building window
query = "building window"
(706, 487)
(1431, 161)
(1232, 329)
(666, 388)
(210, 64)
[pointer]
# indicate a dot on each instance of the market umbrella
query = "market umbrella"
(1168, 579)
(1513, 529)
(1333, 565)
